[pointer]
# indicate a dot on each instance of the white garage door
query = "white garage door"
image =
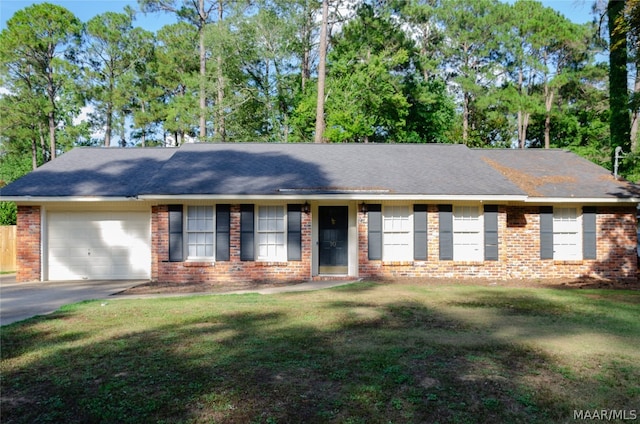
(99, 245)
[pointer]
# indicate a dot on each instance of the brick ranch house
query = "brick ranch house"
(210, 212)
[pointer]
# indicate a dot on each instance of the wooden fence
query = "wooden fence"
(8, 248)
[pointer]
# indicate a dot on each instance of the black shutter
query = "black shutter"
(589, 250)
(374, 213)
(546, 232)
(491, 232)
(294, 232)
(246, 233)
(176, 250)
(223, 231)
(420, 232)
(445, 217)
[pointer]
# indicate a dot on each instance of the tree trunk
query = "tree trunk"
(319, 136)
(465, 118)
(143, 137)
(523, 124)
(522, 115)
(305, 36)
(51, 115)
(43, 144)
(619, 122)
(203, 71)
(34, 153)
(222, 132)
(109, 123)
(548, 102)
(52, 135)
(635, 115)
(306, 71)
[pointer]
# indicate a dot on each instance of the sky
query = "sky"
(578, 11)
(87, 9)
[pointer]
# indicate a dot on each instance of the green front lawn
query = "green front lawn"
(361, 353)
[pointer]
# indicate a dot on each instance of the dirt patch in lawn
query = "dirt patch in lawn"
(204, 287)
(224, 287)
(555, 283)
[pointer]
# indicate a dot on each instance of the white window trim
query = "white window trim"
(282, 257)
(565, 254)
(186, 232)
(471, 226)
(407, 255)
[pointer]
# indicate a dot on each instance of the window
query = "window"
(567, 238)
(271, 233)
(468, 237)
(200, 231)
(397, 236)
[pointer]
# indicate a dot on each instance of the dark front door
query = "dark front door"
(334, 227)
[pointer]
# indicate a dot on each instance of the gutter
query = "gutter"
(369, 196)
(608, 200)
(357, 196)
(49, 199)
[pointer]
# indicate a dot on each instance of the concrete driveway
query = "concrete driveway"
(19, 301)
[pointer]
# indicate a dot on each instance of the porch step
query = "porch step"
(333, 278)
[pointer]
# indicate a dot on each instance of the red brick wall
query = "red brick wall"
(29, 237)
(617, 243)
(519, 238)
(519, 250)
(232, 270)
(433, 266)
(616, 247)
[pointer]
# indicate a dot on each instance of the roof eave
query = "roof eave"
(359, 196)
(582, 200)
(50, 199)
(368, 196)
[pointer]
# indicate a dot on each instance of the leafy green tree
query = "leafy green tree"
(320, 136)
(199, 13)
(431, 114)
(632, 28)
(37, 54)
(22, 131)
(368, 70)
(523, 63)
(580, 118)
(563, 52)
(177, 74)
(301, 16)
(146, 95)
(618, 91)
(115, 51)
(423, 26)
(270, 45)
(8, 213)
(472, 46)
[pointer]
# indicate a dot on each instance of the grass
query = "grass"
(361, 353)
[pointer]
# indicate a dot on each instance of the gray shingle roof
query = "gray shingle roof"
(270, 168)
(92, 171)
(556, 173)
